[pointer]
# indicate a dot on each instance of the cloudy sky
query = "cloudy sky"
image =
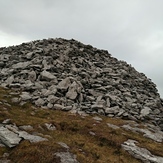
(131, 30)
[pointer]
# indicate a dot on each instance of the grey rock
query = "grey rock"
(82, 76)
(58, 107)
(67, 108)
(31, 138)
(45, 75)
(10, 80)
(25, 96)
(15, 100)
(113, 126)
(50, 105)
(8, 137)
(64, 145)
(112, 110)
(50, 126)
(66, 157)
(32, 76)
(145, 111)
(96, 107)
(108, 102)
(21, 65)
(39, 102)
(140, 153)
(72, 92)
(38, 85)
(92, 133)
(29, 55)
(156, 135)
(52, 99)
(7, 121)
(64, 84)
(90, 98)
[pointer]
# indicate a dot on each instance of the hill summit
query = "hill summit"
(70, 76)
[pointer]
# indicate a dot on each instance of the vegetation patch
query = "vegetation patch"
(90, 140)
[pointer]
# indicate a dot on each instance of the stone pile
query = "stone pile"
(68, 75)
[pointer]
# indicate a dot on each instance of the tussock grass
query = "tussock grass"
(74, 130)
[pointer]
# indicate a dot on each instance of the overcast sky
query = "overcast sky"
(131, 30)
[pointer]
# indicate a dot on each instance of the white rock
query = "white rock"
(8, 137)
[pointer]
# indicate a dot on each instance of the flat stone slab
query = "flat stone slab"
(31, 138)
(8, 137)
(156, 136)
(140, 153)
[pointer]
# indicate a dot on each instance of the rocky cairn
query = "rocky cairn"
(70, 76)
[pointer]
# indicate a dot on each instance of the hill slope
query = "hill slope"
(110, 109)
(72, 137)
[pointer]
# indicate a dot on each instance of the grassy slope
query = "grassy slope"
(74, 130)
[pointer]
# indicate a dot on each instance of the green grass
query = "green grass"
(74, 130)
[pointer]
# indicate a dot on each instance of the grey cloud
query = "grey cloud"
(130, 30)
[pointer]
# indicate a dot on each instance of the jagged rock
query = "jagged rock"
(112, 110)
(140, 153)
(97, 118)
(64, 145)
(64, 84)
(145, 111)
(50, 127)
(26, 127)
(58, 107)
(47, 75)
(25, 96)
(40, 102)
(8, 137)
(72, 92)
(52, 99)
(32, 76)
